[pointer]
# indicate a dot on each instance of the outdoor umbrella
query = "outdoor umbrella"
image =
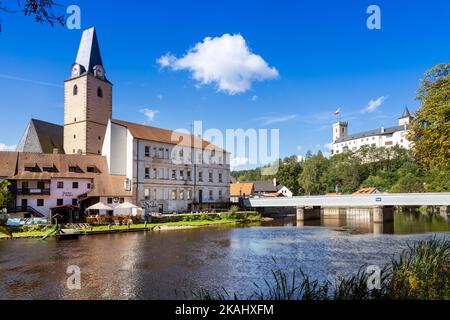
(100, 206)
(125, 209)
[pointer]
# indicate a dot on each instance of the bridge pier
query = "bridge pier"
(304, 213)
(383, 214)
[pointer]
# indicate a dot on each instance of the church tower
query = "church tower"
(87, 100)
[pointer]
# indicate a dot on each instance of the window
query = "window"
(182, 195)
(92, 169)
(188, 175)
(121, 200)
(74, 169)
(60, 185)
(200, 176)
(31, 168)
(189, 194)
(99, 92)
(210, 194)
(49, 169)
(174, 194)
(147, 173)
(40, 202)
(220, 194)
(59, 202)
(147, 193)
(89, 186)
(210, 177)
(220, 177)
(74, 136)
(147, 151)
(40, 185)
(155, 173)
(74, 185)
(181, 174)
(74, 202)
(174, 174)
(109, 200)
(75, 90)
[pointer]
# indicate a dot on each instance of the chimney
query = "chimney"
(274, 182)
(382, 129)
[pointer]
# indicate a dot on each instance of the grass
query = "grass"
(202, 221)
(422, 272)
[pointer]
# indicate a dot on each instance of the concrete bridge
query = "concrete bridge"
(309, 208)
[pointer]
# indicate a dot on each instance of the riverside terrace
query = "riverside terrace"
(381, 205)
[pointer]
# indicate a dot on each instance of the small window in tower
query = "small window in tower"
(99, 92)
(75, 90)
(74, 136)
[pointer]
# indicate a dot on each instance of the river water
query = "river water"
(172, 264)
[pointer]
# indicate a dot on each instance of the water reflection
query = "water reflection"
(361, 223)
(167, 265)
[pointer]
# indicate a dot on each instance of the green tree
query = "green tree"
(5, 195)
(430, 129)
(288, 174)
(344, 173)
(310, 179)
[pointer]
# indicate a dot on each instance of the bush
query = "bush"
(234, 209)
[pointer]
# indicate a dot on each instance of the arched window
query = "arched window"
(99, 92)
(75, 90)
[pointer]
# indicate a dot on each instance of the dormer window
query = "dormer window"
(75, 169)
(92, 169)
(29, 167)
(75, 90)
(99, 92)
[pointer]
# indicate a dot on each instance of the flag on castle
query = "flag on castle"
(337, 112)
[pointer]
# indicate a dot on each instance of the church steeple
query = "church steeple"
(89, 58)
(87, 99)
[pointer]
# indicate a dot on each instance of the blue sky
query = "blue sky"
(324, 55)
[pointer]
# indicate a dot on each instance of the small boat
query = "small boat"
(68, 234)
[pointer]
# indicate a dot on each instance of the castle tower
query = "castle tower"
(87, 100)
(406, 118)
(340, 129)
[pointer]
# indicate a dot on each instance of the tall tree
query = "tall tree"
(288, 173)
(430, 129)
(310, 179)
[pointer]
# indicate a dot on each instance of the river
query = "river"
(172, 264)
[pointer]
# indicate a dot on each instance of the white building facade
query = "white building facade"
(382, 137)
(166, 176)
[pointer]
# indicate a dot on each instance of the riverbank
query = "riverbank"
(196, 222)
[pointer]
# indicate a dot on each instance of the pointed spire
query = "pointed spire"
(406, 113)
(89, 51)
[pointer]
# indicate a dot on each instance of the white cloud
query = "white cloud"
(254, 98)
(374, 104)
(238, 162)
(4, 147)
(277, 119)
(150, 114)
(225, 61)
